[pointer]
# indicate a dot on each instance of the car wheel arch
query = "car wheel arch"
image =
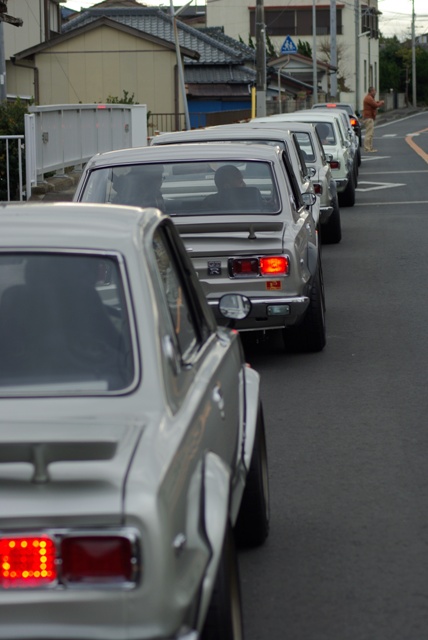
(215, 498)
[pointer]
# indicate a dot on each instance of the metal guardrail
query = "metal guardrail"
(61, 136)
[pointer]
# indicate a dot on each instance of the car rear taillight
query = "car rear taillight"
(331, 105)
(274, 265)
(265, 266)
(318, 188)
(244, 267)
(334, 164)
(97, 559)
(354, 122)
(27, 561)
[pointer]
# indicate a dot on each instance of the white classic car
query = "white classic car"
(243, 222)
(336, 145)
(132, 442)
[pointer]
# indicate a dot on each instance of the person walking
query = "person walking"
(370, 107)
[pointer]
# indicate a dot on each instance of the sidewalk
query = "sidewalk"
(57, 188)
(395, 114)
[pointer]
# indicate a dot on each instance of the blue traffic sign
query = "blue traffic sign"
(288, 46)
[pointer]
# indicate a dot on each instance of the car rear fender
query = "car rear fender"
(251, 407)
(312, 258)
(216, 500)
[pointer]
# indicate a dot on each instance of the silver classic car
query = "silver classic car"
(243, 222)
(132, 442)
(249, 134)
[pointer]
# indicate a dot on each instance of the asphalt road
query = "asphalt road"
(347, 557)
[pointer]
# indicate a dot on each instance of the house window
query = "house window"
(296, 22)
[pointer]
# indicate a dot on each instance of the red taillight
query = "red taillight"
(250, 267)
(334, 164)
(317, 188)
(27, 561)
(97, 559)
(275, 265)
(353, 121)
(244, 267)
(331, 105)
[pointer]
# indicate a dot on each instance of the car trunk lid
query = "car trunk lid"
(68, 476)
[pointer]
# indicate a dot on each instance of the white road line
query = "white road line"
(389, 135)
(375, 186)
(380, 173)
(364, 159)
(389, 204)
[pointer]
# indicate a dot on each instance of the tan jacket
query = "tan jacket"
(370, 106)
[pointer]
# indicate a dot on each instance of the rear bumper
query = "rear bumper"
(268, 312)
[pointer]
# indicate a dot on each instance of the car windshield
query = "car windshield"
(188, 188)
(64, 326)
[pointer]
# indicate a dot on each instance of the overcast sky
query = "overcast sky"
(395, 19)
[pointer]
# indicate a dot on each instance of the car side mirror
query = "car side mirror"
(309, 199)
(234, 306)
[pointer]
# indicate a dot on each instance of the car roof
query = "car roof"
(184, 152)
(300, 116)
(333, 105)
(232, 132)
(70, 225)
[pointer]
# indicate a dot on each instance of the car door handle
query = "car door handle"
(217, 396)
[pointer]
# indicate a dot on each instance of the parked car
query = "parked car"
(245, 230)
(336, 147)
(352, 136)
(353, 116)
(295, 165)
(131, 434)
(306, 138)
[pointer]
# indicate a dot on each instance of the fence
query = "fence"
(61, 136)
(11, 181)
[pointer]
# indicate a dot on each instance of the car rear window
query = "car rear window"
(64, 326)
(305, 143)
(325, 132)
(188, 188)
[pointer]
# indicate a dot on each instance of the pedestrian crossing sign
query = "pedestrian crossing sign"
(288, 46)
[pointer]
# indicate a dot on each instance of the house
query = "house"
(41, 21)
(357, 31)
(120, 46)
(103, 52)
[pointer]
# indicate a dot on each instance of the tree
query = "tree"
(304, 48)
(325, 56)
(395, 64)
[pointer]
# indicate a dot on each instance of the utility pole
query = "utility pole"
(357, 56)
(314, 54)
(180, 61)
(17, 22)
(414, 101)
(333, 48)
(260, 59)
